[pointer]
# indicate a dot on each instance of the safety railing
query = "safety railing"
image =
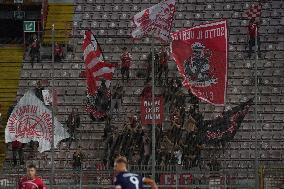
(173, 177)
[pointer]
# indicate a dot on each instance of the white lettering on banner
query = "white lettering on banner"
(208, 94)
(190, 34)
(216, 32)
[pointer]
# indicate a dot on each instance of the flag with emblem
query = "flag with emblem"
(201, 55)
(156, 21)
(254, 11)
(31, 120)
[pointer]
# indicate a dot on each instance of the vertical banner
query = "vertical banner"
(147, 112)
(201, 54)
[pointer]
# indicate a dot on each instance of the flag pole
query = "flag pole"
(255, 109)
(153, 111)
(52, 109)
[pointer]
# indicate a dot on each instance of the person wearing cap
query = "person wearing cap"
(127, 180)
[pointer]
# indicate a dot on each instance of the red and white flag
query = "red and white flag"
(201, 54)
(95, 65)
(32, 120)
(254, 11)
(156, 20)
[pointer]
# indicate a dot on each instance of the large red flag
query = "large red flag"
(201, 56)
(156, 20)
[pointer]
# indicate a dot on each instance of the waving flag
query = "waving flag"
(225, 127)
(254, 11)
(157, 19)
(31, 120)
(97, 68)
(98, 75)
(201, 55)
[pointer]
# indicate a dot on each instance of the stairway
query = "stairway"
(10, 64)
(61, 15)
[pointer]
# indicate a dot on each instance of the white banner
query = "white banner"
(31, 120)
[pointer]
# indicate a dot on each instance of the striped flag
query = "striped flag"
(96, 68)
(254, 11)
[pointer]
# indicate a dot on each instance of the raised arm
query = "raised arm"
(151, 183)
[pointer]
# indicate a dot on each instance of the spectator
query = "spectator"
(163, 66)
(108, 138)
(126, 60)
(253, 32)
(58, 52)
(77, 164)
(31, 180)
(17, 148)
(34, 52)
(38, 90)
(117, 98)
(178, 155)
(73, 122)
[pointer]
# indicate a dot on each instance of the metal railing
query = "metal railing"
(167, 178)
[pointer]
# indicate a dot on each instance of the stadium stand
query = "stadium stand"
(110, 22)
(61, 15)
(10, 68)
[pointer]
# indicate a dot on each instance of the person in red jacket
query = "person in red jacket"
(31, 180)
(126, 60)
(253, 32)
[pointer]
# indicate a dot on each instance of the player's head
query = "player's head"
(31, 171)
(120, 164)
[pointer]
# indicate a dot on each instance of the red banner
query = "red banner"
(147, 113)
(201, 54)
(173, 179)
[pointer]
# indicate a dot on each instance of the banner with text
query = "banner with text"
(147, 110)
(32, 121)
(201, 56)
(176, 179)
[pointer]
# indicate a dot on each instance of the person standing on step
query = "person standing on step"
(17, 148)
(34, 52)
(73, 122)
(126, 60)
(253, 32)
(77, 164)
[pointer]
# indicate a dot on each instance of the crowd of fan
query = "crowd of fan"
(178, 144)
